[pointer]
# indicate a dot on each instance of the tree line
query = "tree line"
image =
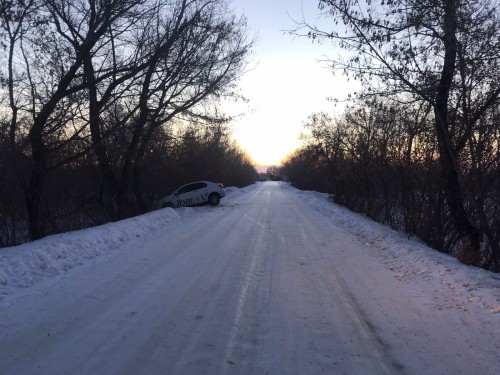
(419, 148)
(105, 105)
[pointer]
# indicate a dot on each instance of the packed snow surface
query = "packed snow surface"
(272, 281)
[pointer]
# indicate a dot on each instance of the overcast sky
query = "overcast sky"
(286, 83)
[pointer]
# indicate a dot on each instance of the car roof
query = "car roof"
(195, 182)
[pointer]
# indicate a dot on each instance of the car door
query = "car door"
(196, 194)
(189, 195)
(183, 196)
(201, 193)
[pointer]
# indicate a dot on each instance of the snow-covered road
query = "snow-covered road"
(265, 283)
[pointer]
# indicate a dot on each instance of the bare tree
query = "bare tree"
(16, 19)
(442, 52)
(72, 31)
(91, 83)
(194, 53)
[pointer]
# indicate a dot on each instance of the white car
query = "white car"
(193, 194)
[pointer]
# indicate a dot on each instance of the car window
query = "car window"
(200, 185)
(191, 187)
(184, 189)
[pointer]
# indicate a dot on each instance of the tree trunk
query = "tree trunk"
(470, 252)
(110, 183)
(35, 188)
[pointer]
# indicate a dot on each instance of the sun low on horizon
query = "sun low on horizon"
(283, 93)
(285, 82)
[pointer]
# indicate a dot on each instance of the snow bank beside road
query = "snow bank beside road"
(470, 289)
(25, 265)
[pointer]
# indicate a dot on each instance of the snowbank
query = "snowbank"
(468, 288)
(25, 265)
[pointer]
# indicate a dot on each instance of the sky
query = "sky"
(286, 81)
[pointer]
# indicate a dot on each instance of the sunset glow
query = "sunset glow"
(285, 84)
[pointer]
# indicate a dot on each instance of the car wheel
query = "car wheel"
(214, 199)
